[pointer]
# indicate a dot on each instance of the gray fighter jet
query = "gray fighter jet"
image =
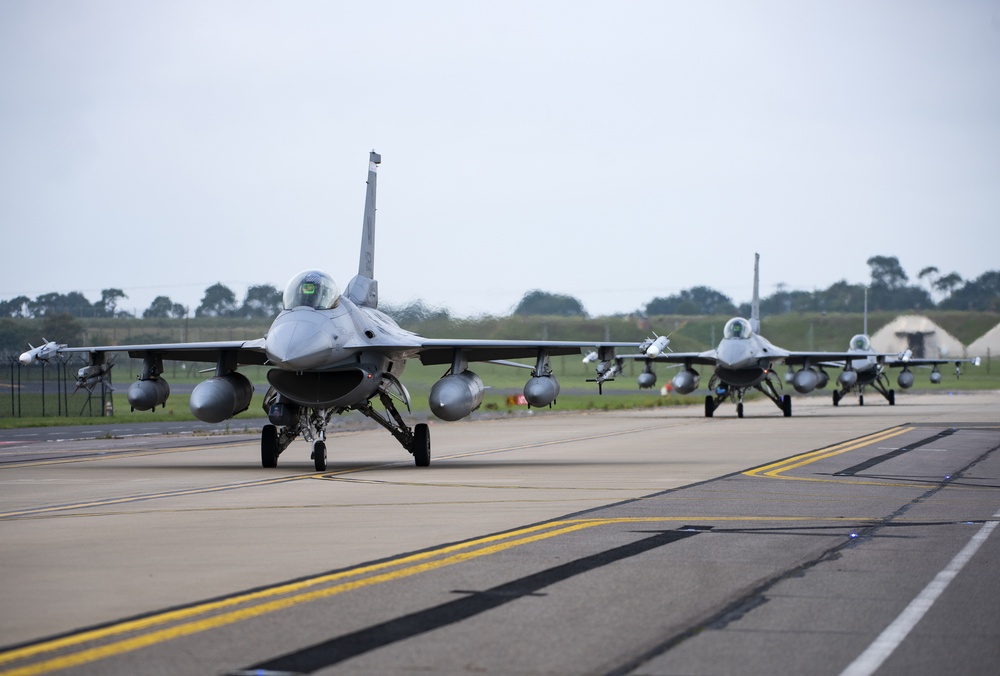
(867, 368)
(333, 352)
(743, 360)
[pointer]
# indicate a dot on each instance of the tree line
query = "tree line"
(261, 301)
(890, 289)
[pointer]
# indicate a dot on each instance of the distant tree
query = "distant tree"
(543, 303)
(948, 283)
(930, 273)
(262, 300)
(887, 272)
(416, 312)
(15, 307)
(164, 308)
(842, 297)
(108, 303)
(782, 302)
(699, 300)
(900, 298)
(73, 303)
(983, 294)
(219, 301)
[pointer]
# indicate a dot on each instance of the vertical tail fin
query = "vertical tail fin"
(755, 302)
(363, 289)
(866, 312)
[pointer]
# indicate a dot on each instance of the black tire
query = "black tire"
(319, 456)
(420, 447)
(892, 397)
(739, 410)
(709, 406)
(836, 398)
(786, 405)
(861, 400)
(269, 446)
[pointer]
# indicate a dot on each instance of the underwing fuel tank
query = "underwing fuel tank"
(647, 379)
(805, 380)
(541, 391)
(144, 395)
(847, 378)
(456, 396)
(686, 381)
(905, 379)
(221, 398)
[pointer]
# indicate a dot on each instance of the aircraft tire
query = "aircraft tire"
(319, 456)
(269, 446)
(709, 406)
(892, 397)
(739, 410)
(420, 447)
(786, 405)
(836, 398)
(861, 400)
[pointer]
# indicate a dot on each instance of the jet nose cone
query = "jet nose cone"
(731, 355)
(298, 346)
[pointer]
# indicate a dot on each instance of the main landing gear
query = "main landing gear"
(311, 425)
(766, 387)
(880, 385)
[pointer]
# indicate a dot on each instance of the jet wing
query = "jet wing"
(897, 362)
(700, 358)
(441, 351)
(819, 358)
(247, 351)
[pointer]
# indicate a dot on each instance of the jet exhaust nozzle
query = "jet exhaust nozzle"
(221, 398)
(456, 396)
(541, 390)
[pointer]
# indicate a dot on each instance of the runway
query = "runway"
(847, 540)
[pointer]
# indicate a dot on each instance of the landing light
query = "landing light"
(853, 535)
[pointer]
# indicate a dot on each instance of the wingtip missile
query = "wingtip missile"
(40, 353)
(657, 346)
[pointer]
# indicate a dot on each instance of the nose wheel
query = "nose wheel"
(319, 456)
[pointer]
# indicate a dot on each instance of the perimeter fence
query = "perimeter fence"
(43, 389)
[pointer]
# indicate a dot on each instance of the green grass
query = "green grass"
(503, 382)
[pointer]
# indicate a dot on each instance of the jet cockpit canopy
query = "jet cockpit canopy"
(311, 288)
(861, 342)
(737, 328)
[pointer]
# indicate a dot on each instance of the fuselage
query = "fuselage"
(866, 366)
(332, 356)
(743, 358)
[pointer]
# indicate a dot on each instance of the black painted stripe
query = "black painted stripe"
(871, 462)
(341, 648)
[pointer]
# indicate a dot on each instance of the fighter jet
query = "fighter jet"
(331, 352)
(743, 360)
(867, 368)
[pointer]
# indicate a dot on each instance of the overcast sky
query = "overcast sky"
(614, 152)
